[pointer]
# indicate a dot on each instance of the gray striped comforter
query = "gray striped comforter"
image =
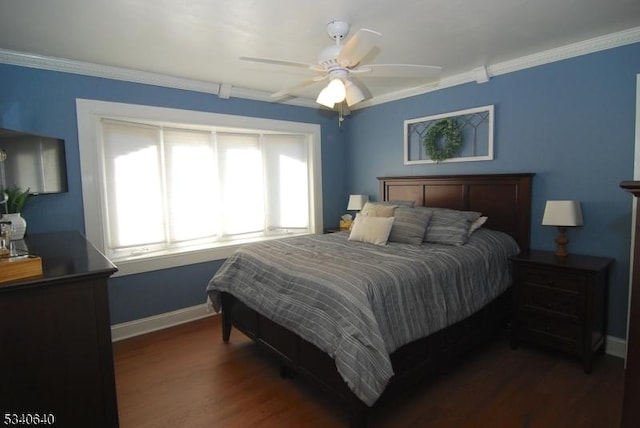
(359, 302)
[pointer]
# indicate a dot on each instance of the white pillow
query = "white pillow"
(374, 230)
(477, 224)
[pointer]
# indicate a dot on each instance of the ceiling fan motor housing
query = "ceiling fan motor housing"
(328, 57)
(339, 73)
(338, 30)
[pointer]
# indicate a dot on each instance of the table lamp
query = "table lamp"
(356, 202)
(562, 214)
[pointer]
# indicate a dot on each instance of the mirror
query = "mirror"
(32, 162)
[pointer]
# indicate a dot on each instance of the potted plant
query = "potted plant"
(14, 199)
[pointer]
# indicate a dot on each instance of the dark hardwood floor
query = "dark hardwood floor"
(186, 376)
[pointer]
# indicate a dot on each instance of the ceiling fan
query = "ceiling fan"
(339, 63)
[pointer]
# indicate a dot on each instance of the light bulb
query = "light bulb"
(325, 98)
(337, 90)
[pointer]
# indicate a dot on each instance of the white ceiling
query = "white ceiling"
(203, 39)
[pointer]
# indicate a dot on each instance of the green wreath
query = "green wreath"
(450, 131)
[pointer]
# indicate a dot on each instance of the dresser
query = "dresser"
(560, 302)
(56, 361)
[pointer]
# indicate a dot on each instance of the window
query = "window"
(165, 187)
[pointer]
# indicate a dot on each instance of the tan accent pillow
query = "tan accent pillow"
(374, 230)
(372, 209)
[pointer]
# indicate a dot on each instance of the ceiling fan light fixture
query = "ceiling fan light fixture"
(334, 93)
(325, 98)
(341, 63)
(353, 93)
(337, 90)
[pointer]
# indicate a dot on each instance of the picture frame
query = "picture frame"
(474, 124)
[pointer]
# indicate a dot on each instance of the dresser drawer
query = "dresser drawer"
(554, 300)
(567, 281)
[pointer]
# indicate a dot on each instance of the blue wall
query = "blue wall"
(43, 102)
(571, 123)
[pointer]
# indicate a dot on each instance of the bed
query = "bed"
(340, 341)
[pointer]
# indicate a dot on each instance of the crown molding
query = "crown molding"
(597, 44)
(222, 90)
(105, 71)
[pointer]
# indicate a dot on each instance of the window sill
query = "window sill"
(173, 260)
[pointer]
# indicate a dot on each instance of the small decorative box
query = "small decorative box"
(15, 268)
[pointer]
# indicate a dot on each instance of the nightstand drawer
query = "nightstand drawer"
(558, 301)
(550, 331)
(553, 279)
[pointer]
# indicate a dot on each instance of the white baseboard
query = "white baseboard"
(158, 322)
(616, 346)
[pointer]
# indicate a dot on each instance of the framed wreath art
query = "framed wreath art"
(449, 131)
(460, 136)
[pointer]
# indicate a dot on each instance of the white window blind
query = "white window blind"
(289, 188)
(133, 186)
(242, 183)
(191, 185)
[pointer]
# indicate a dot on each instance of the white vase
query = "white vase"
(18, 224)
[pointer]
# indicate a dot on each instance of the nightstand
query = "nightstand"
(332, 230)
(560, 302)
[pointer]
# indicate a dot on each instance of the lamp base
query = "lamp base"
(561, 242)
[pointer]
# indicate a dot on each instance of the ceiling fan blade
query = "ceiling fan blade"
(313, 67)
(358, 47)
(397, 70)
(290, 90)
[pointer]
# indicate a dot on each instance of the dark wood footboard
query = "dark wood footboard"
(412, 363)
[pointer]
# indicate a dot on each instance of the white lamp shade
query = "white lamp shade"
(325, 98)
(337, 90)
(562, 213)
(353, 93)
(332, 94)
(356, 202)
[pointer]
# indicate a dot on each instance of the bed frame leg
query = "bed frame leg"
(226, 327)
(286, 372)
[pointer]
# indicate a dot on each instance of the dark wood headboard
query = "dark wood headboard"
(504, 198)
